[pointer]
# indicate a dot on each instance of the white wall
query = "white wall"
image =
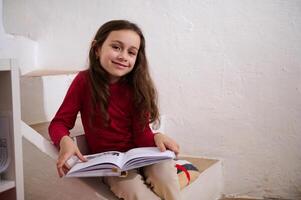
(228, 73)
(17, 47)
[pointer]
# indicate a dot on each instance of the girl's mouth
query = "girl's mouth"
(120, 64)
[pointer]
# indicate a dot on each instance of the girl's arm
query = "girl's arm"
(65, 117)
(64, 120)
(143, 136)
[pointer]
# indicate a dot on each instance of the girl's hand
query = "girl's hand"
(67, 149)
(164, 142)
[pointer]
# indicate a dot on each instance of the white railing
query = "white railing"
(39, 141)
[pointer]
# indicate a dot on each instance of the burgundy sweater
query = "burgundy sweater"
(123, 131)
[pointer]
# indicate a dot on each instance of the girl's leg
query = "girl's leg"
(131, 187)
(163, 179)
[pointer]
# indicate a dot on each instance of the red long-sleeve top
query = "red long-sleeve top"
(124, 129)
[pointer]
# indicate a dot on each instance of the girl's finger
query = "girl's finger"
(173, 147)
(176, 150)
(161, 146)
(60, 164)
(65, 169)
(60, 171)
(80, 156)
(62, 160)
(67, 166)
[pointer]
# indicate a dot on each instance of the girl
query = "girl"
(117, 100)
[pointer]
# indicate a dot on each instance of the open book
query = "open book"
(114, 163)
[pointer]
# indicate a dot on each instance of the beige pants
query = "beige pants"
(161, 182)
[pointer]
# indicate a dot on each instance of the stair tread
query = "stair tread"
(237, 199)
(201, 163)
(42, 128)
(50, 72)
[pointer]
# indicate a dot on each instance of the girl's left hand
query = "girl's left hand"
(164, 142)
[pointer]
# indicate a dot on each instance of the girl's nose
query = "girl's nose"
(122, 56)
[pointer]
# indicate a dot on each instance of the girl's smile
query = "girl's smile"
(119, 64)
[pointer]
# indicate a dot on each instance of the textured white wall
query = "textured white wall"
(17, 47)
(228, 73)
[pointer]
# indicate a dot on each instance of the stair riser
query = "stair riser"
(208, 186)
(42, 96)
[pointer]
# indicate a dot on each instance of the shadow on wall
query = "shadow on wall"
(32, 100)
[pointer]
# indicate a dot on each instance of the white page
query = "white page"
(95, 159)
(92, 173)
(147, 152)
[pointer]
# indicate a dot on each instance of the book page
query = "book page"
(93, 173)
(139, 157)
(106, 160)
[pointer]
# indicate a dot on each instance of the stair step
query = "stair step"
(42, 182)
(238, 199)
(42, 92)
(49, 72)
(42, 128)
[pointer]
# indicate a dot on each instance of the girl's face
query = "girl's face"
(118, 53)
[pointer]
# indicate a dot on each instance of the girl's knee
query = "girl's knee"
(164, 180)
(163, 172)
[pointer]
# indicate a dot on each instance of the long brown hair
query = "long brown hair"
(144, 93)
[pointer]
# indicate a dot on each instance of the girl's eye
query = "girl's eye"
(116, 47)
(132, 53)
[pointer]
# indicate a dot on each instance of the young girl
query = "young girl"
(117, 100)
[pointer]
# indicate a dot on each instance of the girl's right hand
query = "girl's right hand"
(67, 149)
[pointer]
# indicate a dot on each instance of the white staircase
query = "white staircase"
(40, 175)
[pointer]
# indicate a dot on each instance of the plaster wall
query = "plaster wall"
(228, 74)
(20, 48)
